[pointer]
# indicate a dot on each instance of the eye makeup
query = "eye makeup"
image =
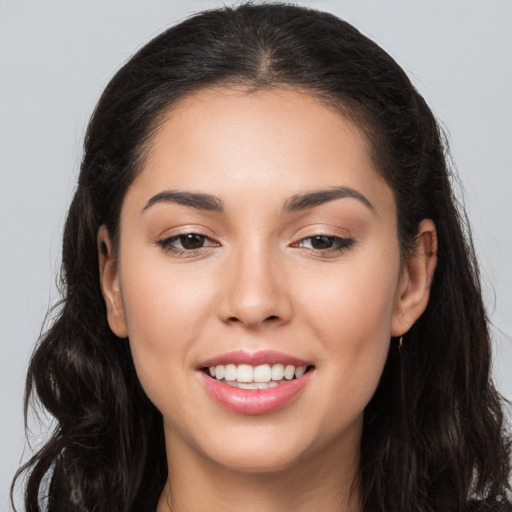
(192, 243)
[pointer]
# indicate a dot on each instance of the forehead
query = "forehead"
(270, 142)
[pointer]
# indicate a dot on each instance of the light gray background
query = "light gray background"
(57, 55)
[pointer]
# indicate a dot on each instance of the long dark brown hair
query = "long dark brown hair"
(433, 436)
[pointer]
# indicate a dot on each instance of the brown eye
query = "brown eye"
(191, 241)
(186, 243)
(325, 243)
(322, 242)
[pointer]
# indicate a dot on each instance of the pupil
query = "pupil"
(192, 241)
(321, 242)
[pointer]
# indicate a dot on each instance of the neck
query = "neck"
(326, 482)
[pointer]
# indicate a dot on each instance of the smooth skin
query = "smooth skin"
(255, 278)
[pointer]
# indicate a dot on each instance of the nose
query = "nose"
(253, 289)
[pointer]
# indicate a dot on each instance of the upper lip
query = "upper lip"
(254, 359)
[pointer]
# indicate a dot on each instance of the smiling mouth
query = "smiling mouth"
(264, 376)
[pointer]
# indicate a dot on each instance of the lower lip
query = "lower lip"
(255, 401)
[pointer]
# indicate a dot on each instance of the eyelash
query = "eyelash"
(167, 244)
(340, 244)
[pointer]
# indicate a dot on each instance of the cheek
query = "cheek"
(166, 310)
(163, 304)
(351, 305)
(350, 311)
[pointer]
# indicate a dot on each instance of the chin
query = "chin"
(255, 451)
(258, 461)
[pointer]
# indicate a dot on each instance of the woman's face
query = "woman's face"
(258, 236)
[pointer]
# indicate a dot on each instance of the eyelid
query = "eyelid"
(341, 238)
(167, 240)
(176, 236)
(186, 229)
(322, 229)
(342, 241)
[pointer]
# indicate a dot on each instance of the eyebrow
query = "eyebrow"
(192, 199)
(295, 203)
(316, 198)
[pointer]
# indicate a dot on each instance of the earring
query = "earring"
(400, 344)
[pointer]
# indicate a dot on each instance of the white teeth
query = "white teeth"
(262, 376)
(277, 372)
(230, 372)
(263, 373)
(251, 385)
(289, 372)
(300, 371)
(219, 372)
(244, 373)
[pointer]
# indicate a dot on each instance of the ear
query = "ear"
(109, 282)
(415, 280)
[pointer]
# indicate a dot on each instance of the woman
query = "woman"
(270, 301)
